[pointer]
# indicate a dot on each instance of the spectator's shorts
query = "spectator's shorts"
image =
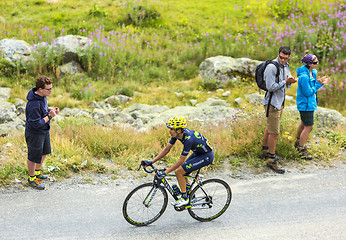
(307, 117)
(273, 119)
(38, 145)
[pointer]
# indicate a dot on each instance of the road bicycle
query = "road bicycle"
(145, 204)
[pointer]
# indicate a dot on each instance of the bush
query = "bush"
(141, 16)
(7, 68)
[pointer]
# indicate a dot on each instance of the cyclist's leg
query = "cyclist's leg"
(198, 161)
(195, 162)
(179, 173)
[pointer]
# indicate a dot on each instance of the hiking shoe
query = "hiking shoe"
(296, 144)
(264, 153)
(303, 153)
(274, 164)
(36, 184)
(180, 202)
(41, 176)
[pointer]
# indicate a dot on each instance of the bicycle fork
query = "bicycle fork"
(150, 196)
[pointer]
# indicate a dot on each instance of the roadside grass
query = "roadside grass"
(80, 147)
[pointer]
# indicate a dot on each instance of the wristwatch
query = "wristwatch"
(49, 117)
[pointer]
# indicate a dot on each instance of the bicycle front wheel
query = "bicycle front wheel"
(210, 200)
(145, 204)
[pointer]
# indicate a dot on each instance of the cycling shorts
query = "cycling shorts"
(195, 162)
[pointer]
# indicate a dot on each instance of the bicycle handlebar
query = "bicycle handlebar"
(153, 169)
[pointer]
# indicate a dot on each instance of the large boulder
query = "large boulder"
(226, 69)
(72, 46)
(15, 50)
(324, 117)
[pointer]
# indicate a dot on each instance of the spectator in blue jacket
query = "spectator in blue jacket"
(37, 125)
(308, 84)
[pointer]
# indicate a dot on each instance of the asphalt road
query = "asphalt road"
(291, 206)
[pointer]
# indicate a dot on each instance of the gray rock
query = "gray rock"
(15, 50)
(213, 101)
(254, 97)
(226, 94)
(239, 101)
(75, 112)
(193, 102)
(73, 47)
(9, 120)
(5, 94)
(226, 69)
(70, 68)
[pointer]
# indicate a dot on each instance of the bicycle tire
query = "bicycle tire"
(209, 201)
(136, 212)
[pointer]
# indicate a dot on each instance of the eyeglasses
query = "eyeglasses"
(49, 89)
(314, 63)
(284, 58)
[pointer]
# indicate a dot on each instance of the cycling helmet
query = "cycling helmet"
(176, 123)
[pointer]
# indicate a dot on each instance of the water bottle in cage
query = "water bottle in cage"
(176, 189)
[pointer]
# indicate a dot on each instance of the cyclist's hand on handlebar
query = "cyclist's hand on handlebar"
(147, 163)
(161, 174)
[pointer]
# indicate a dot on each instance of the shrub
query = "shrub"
(142, 16)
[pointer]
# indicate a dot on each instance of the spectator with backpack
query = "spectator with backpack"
(308, 84)
(277, 77)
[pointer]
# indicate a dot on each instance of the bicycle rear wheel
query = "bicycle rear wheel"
(210, 201)
(145, 204)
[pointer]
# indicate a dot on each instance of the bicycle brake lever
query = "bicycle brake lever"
(139, 168)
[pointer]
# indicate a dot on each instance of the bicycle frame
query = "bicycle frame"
(157, 182)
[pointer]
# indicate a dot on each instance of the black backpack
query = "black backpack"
(260, 79)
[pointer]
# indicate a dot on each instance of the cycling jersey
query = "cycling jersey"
(194, 141)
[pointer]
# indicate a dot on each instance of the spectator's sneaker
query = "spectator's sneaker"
(41, 176)
(180, 202)
(274, 164)
(36, 184)
(303, 153)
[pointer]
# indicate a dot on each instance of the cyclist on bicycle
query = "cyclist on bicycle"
(202, 154)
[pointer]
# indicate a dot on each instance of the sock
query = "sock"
(37, 172)
(184, 195)
(265, 147)
(32, 178)
(271, 155)
(188, 186)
